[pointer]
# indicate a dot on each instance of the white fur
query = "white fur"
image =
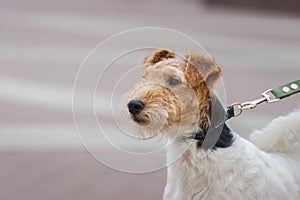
(240, 172)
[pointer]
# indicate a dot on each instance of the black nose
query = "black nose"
(135, 106)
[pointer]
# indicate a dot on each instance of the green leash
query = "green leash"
(269, 96)
(209, 138)
(287, 89)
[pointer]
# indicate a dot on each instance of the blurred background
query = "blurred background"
(43, 43)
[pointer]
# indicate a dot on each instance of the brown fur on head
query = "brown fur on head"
(158, 55)
(202, 73)
(173, 93)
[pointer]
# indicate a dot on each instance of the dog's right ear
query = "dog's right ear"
(158, 55)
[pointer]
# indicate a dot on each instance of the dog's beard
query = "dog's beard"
(154, 122)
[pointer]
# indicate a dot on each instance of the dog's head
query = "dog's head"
(173, 92)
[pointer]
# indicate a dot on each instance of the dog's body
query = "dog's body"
(240, 172)
(174, 99)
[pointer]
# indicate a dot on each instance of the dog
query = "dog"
(175, 99)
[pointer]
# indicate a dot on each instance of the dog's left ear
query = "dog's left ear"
(202, 73)
(200, 69)
(158, 55)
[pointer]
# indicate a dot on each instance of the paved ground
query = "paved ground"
(42, 46)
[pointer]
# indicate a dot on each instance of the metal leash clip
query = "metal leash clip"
(266, 97)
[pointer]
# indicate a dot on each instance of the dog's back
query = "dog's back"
(282, 137)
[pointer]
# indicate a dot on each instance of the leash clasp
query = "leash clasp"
(252, 104)
(266, 97)
(269, 96)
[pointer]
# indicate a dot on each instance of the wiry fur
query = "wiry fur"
(158, 55)
(203, 82)
(262, 170)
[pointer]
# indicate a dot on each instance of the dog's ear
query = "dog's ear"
(202, 73)
(158, 55)
(200, 69)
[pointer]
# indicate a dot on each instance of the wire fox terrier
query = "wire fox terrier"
(175, 99)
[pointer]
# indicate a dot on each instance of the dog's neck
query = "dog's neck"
(225, 140)
(218, 128)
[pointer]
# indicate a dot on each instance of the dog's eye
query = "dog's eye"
(173, 81)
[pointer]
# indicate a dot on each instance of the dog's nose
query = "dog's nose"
(135, 106)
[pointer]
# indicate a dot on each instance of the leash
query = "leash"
(269, 96)
(209, 138)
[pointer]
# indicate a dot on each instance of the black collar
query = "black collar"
(218, 135)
